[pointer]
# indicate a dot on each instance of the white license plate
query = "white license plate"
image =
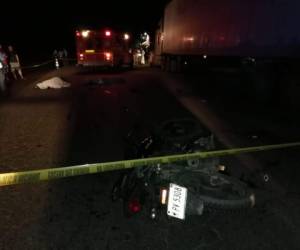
(177, 201)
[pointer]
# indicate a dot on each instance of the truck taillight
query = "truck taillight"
(134, 206)
(108, 56)
(81, 56)
(108, 33)
(78, 34)
(163, 196)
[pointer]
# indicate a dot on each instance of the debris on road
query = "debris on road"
(95, 82)
(53, 83)
(107, 92)
(105, 81)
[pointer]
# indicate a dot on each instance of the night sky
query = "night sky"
(36, 28)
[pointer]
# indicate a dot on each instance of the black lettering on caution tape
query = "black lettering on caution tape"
(10, 179)
(110, 167)
(29, 178)
(56, 174)
(61, 173)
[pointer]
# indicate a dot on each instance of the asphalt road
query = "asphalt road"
(86, 123)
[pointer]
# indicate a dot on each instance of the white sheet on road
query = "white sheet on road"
(53, 83)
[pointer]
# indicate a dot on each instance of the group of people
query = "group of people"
(60, 57)
(9, 65)
(141, 54)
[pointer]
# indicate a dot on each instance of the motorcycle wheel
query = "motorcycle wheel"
(217, 191)
(181, 130)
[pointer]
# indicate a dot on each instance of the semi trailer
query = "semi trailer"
(223, 31)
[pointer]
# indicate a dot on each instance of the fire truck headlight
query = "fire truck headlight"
(126, 36)
(85, 33)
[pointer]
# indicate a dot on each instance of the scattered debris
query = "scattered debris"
(107, 92)
(95, 82)
(105, 81)
(53, 83)
(221, 168)
(217, 233)
(266, 177)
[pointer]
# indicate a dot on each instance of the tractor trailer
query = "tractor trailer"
(223, 31)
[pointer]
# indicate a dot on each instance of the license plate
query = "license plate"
(177, 201)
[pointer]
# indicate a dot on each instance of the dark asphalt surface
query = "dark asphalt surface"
(86, 123)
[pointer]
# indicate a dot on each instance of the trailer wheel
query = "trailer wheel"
(168, 63)
(178, 64)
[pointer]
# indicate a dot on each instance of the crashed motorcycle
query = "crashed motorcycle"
(177, 190)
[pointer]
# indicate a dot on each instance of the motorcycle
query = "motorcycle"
(178, 190)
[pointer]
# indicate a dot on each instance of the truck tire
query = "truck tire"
(217, 191)
(168, 63)
(178, 64)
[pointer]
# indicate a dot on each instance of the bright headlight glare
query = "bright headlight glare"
(85, 33)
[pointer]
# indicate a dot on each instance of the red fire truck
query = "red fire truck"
(103, 48)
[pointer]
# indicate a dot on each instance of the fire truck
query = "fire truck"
(103, 48)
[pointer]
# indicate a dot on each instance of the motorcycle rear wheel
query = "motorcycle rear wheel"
(217, 191)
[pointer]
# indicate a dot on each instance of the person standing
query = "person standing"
(55, 54)
(3, 69)
(14, 63)
(3, 55)
(66, 62)
(61, 58)
(65, 53)
(2, 76)
(55, 58)
(143, 61)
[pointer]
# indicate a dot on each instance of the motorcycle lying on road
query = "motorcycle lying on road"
(185, 188)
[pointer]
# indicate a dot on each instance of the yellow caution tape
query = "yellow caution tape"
(58, 173)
